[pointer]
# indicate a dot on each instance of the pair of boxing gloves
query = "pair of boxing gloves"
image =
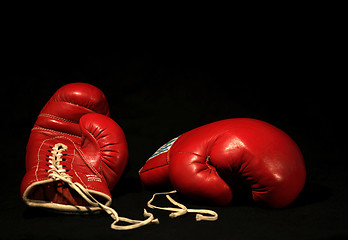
(76, 154)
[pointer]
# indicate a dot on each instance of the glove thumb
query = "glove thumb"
(104, 146)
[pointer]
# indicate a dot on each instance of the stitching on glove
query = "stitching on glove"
(50, 130)
(58, 118)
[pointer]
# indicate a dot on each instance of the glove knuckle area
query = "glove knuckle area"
(265, 159)
(82, 95)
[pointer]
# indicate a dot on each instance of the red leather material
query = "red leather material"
(96, 149)
(205, 162)
(75, 99)
(155, 173)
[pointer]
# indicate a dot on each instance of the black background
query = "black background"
(164, 81)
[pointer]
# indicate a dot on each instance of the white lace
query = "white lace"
(55, 159)
(57, 172)
(183, 209)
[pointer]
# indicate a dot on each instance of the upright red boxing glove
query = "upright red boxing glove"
(75, 154)
(208, 163)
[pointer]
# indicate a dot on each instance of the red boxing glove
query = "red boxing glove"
(208, 163)
(75, 139)
(75, 154)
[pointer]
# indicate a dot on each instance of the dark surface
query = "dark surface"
(158, 90)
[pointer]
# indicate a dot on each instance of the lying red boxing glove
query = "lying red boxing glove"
(75, 154)
(207, 164)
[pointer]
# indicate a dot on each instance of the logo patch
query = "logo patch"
(164, 148)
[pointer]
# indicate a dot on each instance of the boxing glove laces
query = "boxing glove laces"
(75, 156)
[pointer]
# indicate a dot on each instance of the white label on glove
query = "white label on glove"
(93, 178)
(164, 148)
